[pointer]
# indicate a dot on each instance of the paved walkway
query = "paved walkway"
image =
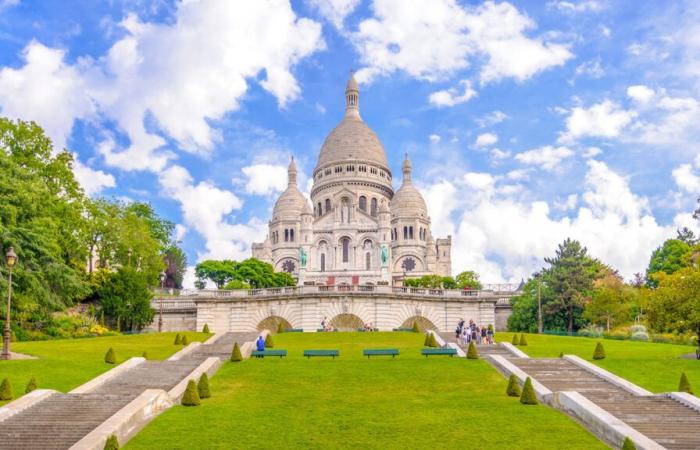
(61, 420)
(662, 419)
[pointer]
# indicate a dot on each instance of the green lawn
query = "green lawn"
(68, 363)
(352, 402)
(656, 367)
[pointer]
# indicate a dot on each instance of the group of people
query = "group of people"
(326, 325)
(467, 333)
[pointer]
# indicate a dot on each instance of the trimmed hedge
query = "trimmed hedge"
(471, 351)
(30, 386)
(236, 355)
(523, 341)
(191, 395)
(426, 342)
(184, 341)
(110, 356)
(627, 444)
(269, 343)
(206, 328)
(5, 390)
(599, 352)
(528, 396)
(203, 386)
(280, 328)
(144, 355)
(432, 340)
(513, 389)
(178, 339)
(684, 384)
(515, 340)
(415, 327)
(112, 443)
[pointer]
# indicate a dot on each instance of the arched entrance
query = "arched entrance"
(346, 322)
(423, 323)
(272, 323)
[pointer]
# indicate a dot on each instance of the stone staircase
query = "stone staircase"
(61, 420)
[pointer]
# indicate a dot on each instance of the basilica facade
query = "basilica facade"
(357, 229)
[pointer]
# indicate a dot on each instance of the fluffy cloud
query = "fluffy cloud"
(605, 119)
(492, 118)
(687, 179)
(93, 181)
(265, 179)
(486, 139)
(434, 138)
(451, 97)
(431, 40)
(640, 93)
(335, 11)
(547, 157)
(576, 7)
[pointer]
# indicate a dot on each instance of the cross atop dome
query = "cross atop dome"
(292, 173)
(352, 97)
(407, 168)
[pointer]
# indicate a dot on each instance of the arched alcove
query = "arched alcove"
(271, 323)
(423, 323)
(346, 322)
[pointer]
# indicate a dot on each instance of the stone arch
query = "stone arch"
(423, 323)
(271, 323)
(346, 322)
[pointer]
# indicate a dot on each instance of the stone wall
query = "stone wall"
(175, 320)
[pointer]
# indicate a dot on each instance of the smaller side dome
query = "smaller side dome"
(291, 202)
(407, 201)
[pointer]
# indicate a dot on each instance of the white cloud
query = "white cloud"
(434, 138)
(480, 181)
(547, 157)
(592, 68)
(451, 97)
(486, 139)
(605, 119)
(432, 40)
(576, 7)
(687, 179)
(335, 11)
(265, 179)
(492, 118)
(592, 152)
(93, 181)
(499, 155)
(640, 93)
(180, 232)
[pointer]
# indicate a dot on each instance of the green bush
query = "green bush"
(415, 327)
(144, 355)
(513, 389)
(523, 341)
(599, 352)
(5, 390)
(184, 340)
(269, 343)
(528, 396)
(433, 341)
(178, 339)
(627, 444)
(515, 340)
(561, 354)
(30, 386)
(236, 355)
(203, 386)
(426, 342)
(206, 328)
(280, 328)
(191, 396)
(112, 443)
(110, 356)
(471, 351)
(684, 384)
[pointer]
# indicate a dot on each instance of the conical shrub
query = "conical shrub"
(515, 340)
(280, 328)
(627, 444)
(178, 339)
(5, 390)
(471, 351)
(561, 354)
(191, 395)
(236, 355)
(30, 386)
(144, 355)
(269, 343)
(426, 342)
(523, 341)
(110, 356)
(203, 386)
(112, 443)
(513, 389)
(684, 384)
(206, 328)
(528, 396)
(184, 340)
(415, 327)
(599, 352)
(433, 341)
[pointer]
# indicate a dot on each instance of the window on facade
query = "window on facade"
(410, 232)
(320, 208)
(405, 232)
(363, 203)
(374, 207)
(382, 174)
(323, 262)
(328, 205)
(373, 171)
(368, 261)
(338, 169)
(291, 235)
(346, 249)
(350, 168)
(328, 171)
(362, 169)
(286, 235)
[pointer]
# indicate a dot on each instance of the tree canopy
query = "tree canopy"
(236, 275)
(668, 258)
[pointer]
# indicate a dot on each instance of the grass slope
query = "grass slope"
(352, 402)
(656, 367)
(68, 363)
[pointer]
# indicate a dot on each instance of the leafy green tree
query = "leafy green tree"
(686, 235)
(237, 284)
(611, 301)
(126, 298)
(668, 258)
(250, 272)
(524, 309)
(449, 283)
(219, 272)
(175, 266)
(468, 280)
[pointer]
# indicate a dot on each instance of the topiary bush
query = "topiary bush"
(112, 443)
(184, 340)
(471, 351)
(280, 328)
(523, 341)
(561, 354)
(269, 343)
(432, 340)
(426, 342)
(110, 356)
(627, 444)
(191, 395)
(203, 386)
(5, 390)
(30, 386)
(513, 389)
(515, 341)
(528, 396)
(178, 339)
(206, 328)
(144, 355)
(415, 327)
(684, 384)
(599, 352)
(236, 355)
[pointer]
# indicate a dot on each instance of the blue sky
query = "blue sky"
(527, 122)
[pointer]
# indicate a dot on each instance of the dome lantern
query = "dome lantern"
(352, 97)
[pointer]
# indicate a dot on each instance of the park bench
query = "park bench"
(294, 330)
(403, 329)
(380, 352)
(331, 353)
(439, 351)
(264, 353)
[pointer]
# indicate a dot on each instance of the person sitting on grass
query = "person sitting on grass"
(260, 344)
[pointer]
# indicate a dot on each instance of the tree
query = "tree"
(611, 301)
(468, 280)
(126, 298)
(668, 258)
(250, 272)
(219, 272)
(175, 266)
(627, 444)
(686, 235)
(237, 284)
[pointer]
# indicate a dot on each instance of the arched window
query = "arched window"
(291, 235)
(328, 205)
(323, 262)
(363, 203)
(346, 249)
(410, 233)
(374, 207)
(286, 235)
(320, 209)
(405, 232)
(368, 261)
(396, 235)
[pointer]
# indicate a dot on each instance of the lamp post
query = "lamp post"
(11, 259)
(160, 314)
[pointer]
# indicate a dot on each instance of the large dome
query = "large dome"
(352, 139)
(291, 203)
(407, 201)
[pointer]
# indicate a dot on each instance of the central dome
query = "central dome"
(352, 139)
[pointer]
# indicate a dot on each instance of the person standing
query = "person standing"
(260, 344)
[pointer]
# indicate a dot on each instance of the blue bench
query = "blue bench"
(380, 352)
(264, 353)
(439, 351)
(410, 330)
(294, 330)
(331, 353)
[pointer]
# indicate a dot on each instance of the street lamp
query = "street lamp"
(160, 314)
(11, 259)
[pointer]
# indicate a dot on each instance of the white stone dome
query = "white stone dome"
(291, 202)
(407, 201)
